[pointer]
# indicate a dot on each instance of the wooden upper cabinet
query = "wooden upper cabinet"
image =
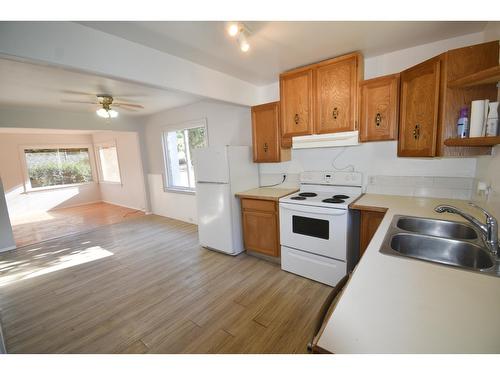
(296, 89)
(267, 146)
(379, 108)
(336, 87)
(419, 110)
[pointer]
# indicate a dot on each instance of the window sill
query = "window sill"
(110, 183)
(179, 191)
(57, 187)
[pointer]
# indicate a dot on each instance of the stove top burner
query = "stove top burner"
(307, 194)
(333, 200)
(340, 196)
(298, 198)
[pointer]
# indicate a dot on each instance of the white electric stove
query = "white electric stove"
(319, 234)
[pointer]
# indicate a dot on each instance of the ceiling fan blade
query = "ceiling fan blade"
(78, 101)
(73, 92)
(129, 109)
(128, 105)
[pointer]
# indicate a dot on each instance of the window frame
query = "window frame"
(166, 160)
(111, 143)
(24, 165)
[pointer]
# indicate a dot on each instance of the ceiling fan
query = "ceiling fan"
(105, 102)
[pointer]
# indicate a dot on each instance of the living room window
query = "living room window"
(109, 167)
(178, 147)
(53, 167)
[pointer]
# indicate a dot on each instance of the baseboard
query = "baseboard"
(74, 205)
(9, 248)
(175, 218)
(122, 205)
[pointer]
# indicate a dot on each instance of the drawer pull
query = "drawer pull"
(296, 118)
(266, 147)
(378, 119)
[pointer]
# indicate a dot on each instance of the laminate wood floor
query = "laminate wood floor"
(41, 226)
(145, 286)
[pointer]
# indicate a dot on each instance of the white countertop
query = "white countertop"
(401, 305)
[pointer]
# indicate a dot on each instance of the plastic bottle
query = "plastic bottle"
(492, 120)
(463, 123)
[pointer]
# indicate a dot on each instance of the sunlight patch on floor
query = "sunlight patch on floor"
(15, 271)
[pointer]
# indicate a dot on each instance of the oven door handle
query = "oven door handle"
(313, 210)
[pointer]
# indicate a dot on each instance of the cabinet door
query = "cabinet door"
(260, 232)
(420, 88)
(379, 109)
(265, 129)
(296, 103)
(336, 94)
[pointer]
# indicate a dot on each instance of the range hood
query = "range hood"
(326, 140)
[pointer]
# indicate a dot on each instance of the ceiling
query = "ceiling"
(34, 85)
(279, 46)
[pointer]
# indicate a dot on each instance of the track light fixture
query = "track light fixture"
(240, 32)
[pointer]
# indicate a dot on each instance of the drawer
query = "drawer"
(315, 267)
(258, 205)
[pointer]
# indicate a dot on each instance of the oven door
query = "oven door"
(317, 230)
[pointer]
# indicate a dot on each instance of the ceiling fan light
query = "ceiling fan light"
(101, 112)
(233, 29)
(112, 113)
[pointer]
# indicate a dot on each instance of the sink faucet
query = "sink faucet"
(489, 230)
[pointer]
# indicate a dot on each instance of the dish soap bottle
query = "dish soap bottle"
(463, 123)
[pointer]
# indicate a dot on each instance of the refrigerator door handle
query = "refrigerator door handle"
(324, 312)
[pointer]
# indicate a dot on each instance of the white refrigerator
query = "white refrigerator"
(221, 172)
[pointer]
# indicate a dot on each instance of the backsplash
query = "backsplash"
(422, 186)
(416, 186)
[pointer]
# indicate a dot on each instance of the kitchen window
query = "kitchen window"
(109, 167)
(56, 167)
(178, 147)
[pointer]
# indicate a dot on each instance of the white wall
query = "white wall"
(131, 192)
(11, 173)
(488, 170)
(372, 159)
(488, 167)
(6, 238)
(227, 125)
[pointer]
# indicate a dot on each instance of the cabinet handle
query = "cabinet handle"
(266, 147)
(296, 118)
(416, 131)
(335, 113)
(378, 119)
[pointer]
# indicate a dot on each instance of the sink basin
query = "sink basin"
(438, 228)
(443, 242)
(442, 250)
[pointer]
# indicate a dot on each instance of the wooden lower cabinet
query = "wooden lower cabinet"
(261, 226)
(369, 222)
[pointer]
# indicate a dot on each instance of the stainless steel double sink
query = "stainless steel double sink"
(444, 242)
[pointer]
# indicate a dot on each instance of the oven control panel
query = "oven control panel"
(332, 178)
